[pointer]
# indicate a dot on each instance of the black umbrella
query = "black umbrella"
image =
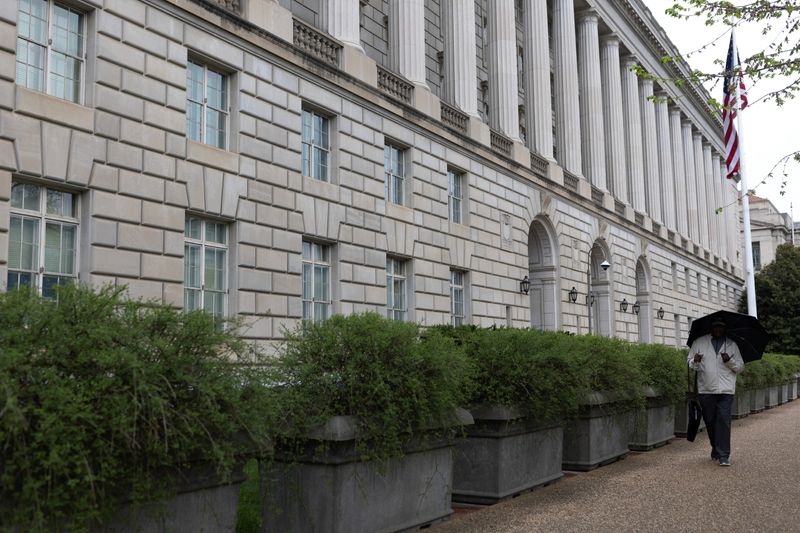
(745, 330)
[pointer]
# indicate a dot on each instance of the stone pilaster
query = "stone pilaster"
(689, 170)
(720, 201)
(616, 168)
(565, 70)
(460, 66)
(537, 77)
(714, 234)
(664, 152)
(651, 148)
(703, 205)
(593, 150)
(679, 172)
(633, 133)
(341, 19)
(407, 39)
(501, 51)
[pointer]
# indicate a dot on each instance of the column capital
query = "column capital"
(697, 133)
(587, 15)
(647, 82)
(674, 110)
(628, 60)
(609, 39)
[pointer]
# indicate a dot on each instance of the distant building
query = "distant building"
(769, 228)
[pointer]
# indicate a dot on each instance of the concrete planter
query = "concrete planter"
(203, 502)
(655, 425)
(505, 455)
(757, 397)
(793, 388)
(682, 419)
(783, 393)
(329, 489)
(771, 398)
(741, 403)
(598, 436)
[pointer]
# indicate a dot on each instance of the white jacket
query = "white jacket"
(714, 376)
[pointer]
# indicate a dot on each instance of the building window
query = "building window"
(204, 273)
(674, 276)
(206, 105)
(457, 281)
(43, 238)
(455, 183)
(394, 170)
(699, 281)
(396, 306)
(316, 281)
(686, 279)
(50, 48)
(316, 145)
(757, 255)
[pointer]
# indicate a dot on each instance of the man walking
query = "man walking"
(717, 360)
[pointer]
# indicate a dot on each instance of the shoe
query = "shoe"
(714, 457)
(724, 462)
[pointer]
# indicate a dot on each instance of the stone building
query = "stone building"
(769, 228)
(289, 159)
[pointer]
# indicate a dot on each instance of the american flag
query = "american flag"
(730, 107)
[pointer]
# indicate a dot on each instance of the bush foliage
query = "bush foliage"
(102, 399)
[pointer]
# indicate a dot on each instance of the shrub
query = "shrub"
(102, 399)
(754, 376)
(664, 369)
(610, 366)
(394, 379)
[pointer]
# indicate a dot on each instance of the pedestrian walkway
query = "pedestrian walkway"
(673, 488)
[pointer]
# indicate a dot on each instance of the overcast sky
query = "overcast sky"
(770, 131)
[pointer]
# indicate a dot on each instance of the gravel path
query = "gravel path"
(673, 488)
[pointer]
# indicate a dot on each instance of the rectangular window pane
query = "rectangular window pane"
(52, 247)
(24, 244)
(19, 279)
(192, 228)
(191, 266)
(191, 299)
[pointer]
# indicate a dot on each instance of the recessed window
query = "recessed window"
(455, 196)
(206, 104)
(757, 255)
(316, 281)
(394, 170)
(50, 48)
(43, 238)
(316, 145)
(205, 271)
(457, 281)
(396, 306)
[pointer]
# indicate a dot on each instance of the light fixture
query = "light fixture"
(636, 307)
(623, 305)
(604, 265)
(573, 295)
(524, 285)
(660, 313)
(591, 299)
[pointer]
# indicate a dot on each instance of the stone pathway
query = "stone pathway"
(673, 488)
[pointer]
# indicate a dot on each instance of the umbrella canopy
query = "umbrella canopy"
(745, 330)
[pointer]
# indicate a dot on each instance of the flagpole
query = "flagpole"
(750, 281)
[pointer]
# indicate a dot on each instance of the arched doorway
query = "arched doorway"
(599, 298)
(542, 274)
(643, 299)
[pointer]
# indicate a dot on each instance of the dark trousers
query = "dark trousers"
(717, 415)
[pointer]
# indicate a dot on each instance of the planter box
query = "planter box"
(741, 404)
(757, 397)
(682, 419)
(654, 426)
(771, 398)
(202, 503)
(793, 389)
(599, 436)
(329, 489)
(783, 393)
(504, 455)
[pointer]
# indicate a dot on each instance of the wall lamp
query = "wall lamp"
(660, 313)
(636, 307)
(573, 295)
(524, 285)
(623, 305)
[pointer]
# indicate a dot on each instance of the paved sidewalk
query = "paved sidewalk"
(673, 488)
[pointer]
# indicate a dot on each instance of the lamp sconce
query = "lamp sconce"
(590, 299)
(524, 285)
(573, 295)
(660, 313)
(636, 307)
(623, 305)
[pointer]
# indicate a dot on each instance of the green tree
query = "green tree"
(778, 297)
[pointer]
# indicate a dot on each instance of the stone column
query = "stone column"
(633, 133)
(732, 196)
(460, 64)
(565, 70)
(691, 180)
(664, 151)
(537, 77)
(650, 148)
(341, 19)
(721, 201)
(616, 172)
(593, 152)
(679, 172)
(714, 234)
(702, 198)
(407, 39)
(501, 52)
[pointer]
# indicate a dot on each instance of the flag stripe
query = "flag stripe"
(730, 106)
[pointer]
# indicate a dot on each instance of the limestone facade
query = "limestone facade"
(237, 156)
